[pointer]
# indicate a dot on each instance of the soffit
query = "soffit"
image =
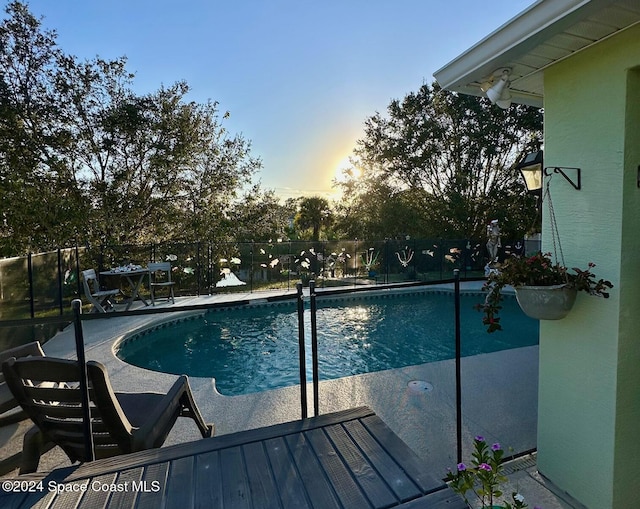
(546, 33)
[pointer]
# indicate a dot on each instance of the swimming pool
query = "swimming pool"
(254, 349)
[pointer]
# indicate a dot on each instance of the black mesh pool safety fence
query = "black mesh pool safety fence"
(44, 284)
(443, 422)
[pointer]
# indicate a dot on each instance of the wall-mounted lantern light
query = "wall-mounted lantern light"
(533, 172)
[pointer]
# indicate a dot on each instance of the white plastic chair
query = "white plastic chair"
(157, 270)
(101, 299)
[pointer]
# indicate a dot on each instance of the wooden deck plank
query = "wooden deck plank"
(406, 458)
(442, 499)
(208, 481)
(180, 488)
(374, 488)
(396, 478)
(42, 503)
(173, 452)
(235, 487)
(319, 490)
(156, 473)
(339, 475)
(345, 460)
(69, 499)
(132, 479)
(38, 499)
(11, 500)
(262, 486)
(290, 486)
(98, 498)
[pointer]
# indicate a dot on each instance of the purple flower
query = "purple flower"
(479, 438)
(484, 466)
(461, 467)
(496, 447)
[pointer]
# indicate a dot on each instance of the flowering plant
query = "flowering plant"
(536, 270)
(484, 477)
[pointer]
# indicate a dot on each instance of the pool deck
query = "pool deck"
(499, 400)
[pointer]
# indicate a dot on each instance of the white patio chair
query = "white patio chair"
(101, 299)
(157, 272)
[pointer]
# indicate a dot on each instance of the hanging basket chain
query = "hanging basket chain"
(555, 236)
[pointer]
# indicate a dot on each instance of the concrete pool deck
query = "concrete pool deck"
(499, 399)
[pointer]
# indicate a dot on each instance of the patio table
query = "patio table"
(347, 459)
(134, 278)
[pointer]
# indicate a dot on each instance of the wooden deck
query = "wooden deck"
(348, 459)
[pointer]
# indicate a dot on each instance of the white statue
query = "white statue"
(493, 232)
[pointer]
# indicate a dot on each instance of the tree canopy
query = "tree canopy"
(86, 159)
(312, 215)
(83, 158)
(439, 164)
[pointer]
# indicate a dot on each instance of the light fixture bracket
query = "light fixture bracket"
(577, 184)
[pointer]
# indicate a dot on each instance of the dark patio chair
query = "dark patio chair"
(10, 411)
(48, 390)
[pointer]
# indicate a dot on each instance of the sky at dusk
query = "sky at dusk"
(299, 78)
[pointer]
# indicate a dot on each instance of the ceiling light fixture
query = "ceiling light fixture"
(499, 93)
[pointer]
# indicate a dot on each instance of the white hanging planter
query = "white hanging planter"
(546, 302)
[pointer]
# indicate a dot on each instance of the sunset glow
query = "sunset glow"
(344, 169)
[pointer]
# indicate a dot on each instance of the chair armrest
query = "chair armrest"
(154, 431)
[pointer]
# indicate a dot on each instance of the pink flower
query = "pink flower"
(484, 466)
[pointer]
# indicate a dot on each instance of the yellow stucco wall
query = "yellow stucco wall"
(589, 398)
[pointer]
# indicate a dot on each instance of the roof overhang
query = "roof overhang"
(547, 32)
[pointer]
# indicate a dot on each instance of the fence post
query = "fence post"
(302, 355)
(198, 268)
(456, 275)
(210, 265)
(84, 385)
(78, 283)
(386, 261)
(289, 255)
(251, 268)
(442, 251)
(314, 347)
(355, 263)
(60, 293)
(30, 276)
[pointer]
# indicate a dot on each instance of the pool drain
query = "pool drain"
(420, 386)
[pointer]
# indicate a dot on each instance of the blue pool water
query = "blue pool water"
(255, 349)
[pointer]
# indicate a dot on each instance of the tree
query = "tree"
(260, 217)
(447, 157)
(84, 157)
(40, 199)
(374, 209)
(313, 214)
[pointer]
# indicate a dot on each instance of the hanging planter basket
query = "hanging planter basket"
(546, 302)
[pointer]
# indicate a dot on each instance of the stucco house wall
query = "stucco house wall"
(589, 393)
